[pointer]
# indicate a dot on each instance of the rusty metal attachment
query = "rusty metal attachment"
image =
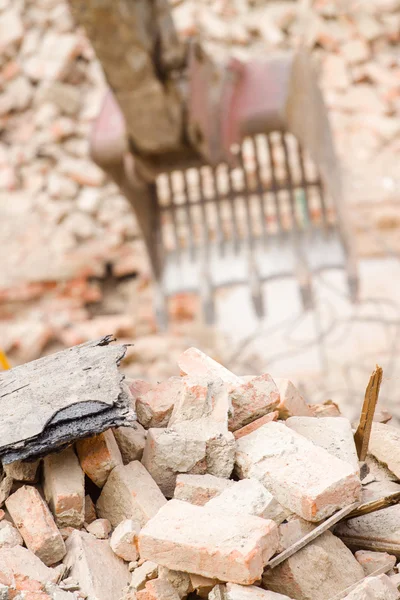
(256, 195)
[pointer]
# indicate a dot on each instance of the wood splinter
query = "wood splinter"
(363, 433)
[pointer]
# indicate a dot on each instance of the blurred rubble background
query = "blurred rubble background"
(72, 264)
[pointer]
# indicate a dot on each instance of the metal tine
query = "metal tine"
(217, 204)
(173, 208)
(206, 287)
(274, 183)
(304, 183)
(260, 189)
(321, 194)
(289, 180)
(189, 220)
(302, 270)
(231, 197)
(254, 276)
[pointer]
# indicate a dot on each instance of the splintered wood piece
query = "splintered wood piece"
(383, 569)
(374, 505)
(310, 537)
(363, 433)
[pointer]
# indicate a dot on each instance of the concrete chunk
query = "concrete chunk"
(194, 362)
(301, 476)
(233, 591)
(379, 530)
(251, 400)
(322, 569)
(98, 456)
(64, 488)
(131, 442)
(100, 573)
(194, 539)
(249, 497)
(154, 408)
(199, 489)
(332, 433)
(197, 447)
(124, 540)
(35, 523)
(384, 445)
(130, 493)
(371, 561)
(291, 402)
(374, 588)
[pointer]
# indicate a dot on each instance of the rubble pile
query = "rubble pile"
(226, 488)
(75, 269)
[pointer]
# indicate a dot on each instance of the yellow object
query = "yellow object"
(4, 364)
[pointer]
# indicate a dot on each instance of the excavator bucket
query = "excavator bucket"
(259, 196)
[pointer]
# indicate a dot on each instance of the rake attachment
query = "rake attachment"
(257, 195)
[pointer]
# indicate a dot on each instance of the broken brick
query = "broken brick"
(64, 488)
(291, 402)
(332, 433)
(154, 408)
(94, 566)
(90, 510)
(194, 362)
(35, 523)
(273, 416)
(157, 589)
(185, 537)
(22, 470)
(320, 570)
(130, 493)
(98, 456)
(301, 476)
(250, 497)
(199, 489)
(124, 540)
(374, 587)
(371, 561)
(384, 445)
(100, 528)
(198, 447)
(131, 442)
(251, 400)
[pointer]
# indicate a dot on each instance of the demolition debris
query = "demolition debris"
(227, 487)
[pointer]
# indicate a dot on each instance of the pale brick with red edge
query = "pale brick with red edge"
(194, 539)
(302, 477)
(35, 523)
(64, 488)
